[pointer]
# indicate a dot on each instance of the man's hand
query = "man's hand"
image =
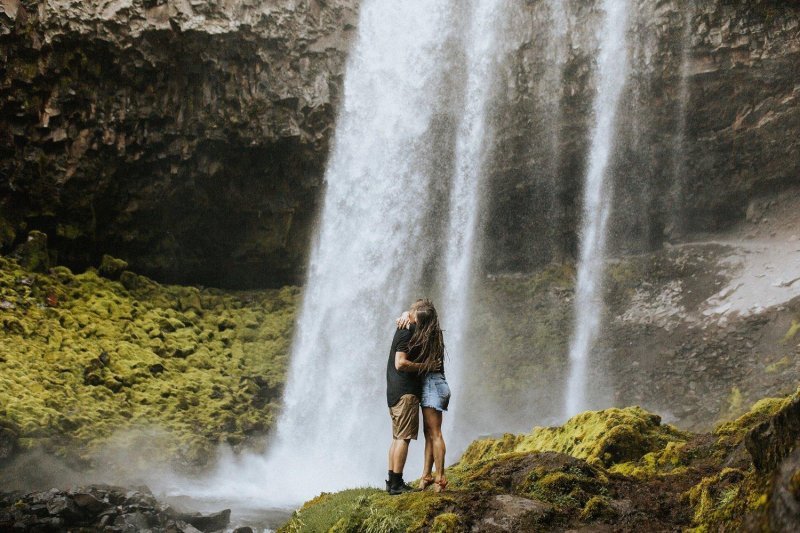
(404, 322)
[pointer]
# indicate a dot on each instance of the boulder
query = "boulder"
(111, 267)
(208, 522)
(784, 513)
(512, 513)
(775, 438)
(33, 254)
(9, 443)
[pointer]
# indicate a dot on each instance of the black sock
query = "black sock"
(395, 479)
(391, 475)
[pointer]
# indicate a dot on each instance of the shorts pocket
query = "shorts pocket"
(443, 390)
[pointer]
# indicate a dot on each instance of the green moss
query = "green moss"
(717, 499)
(778, 365)
(669, 460)
(68, 231)
(7, 233)
(111, 267)
(598, 508)
(446, 523)
(730, 434)
(33, 254)
(85, 358)
(793, 329)
(602, 438)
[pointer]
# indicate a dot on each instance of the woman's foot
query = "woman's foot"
(425, 482)
(441, 484)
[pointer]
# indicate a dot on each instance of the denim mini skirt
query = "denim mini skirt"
(435, 391)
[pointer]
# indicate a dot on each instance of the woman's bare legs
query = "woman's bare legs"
(432, 420)
(426, 478)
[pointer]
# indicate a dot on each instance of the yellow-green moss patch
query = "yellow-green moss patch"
(83, 357)
(602, 438)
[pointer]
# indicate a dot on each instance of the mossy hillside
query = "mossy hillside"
(372, 511)
(666, 480)
(83, 357)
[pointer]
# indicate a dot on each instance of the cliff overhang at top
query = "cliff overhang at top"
(188, 137)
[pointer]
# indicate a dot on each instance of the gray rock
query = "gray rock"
(9, 444)
(512, 513)
(784, 512)
(208, 522)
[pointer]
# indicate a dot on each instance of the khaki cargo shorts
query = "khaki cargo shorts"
(405, 417)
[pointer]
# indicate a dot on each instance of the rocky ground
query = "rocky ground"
(612, 470)
(103, 508)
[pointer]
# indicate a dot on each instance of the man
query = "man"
(403, 392)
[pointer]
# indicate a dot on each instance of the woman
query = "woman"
(429, 341)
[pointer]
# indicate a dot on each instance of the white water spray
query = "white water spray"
(612, 68)
(679, 147)
(365, 265)
(473, 138)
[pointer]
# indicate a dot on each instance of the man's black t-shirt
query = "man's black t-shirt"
(399, 383)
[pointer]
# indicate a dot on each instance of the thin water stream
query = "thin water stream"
(612, 70)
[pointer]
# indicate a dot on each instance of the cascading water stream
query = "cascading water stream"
(679, 146)
(365, 265)
(612, 68)
(482, 54)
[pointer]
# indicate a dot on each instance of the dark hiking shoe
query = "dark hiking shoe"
(401, 488)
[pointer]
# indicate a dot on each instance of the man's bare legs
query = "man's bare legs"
(432, 423)
(398, 452)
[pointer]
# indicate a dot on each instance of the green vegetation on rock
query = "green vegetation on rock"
(602, 438)
(618, 466)
(84, 358)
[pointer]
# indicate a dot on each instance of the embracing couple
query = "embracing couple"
(414, 378)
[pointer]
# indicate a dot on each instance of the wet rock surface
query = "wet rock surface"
(101, 508)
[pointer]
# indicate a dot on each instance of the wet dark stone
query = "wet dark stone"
(208, 523)
(784, 514)
(774, 439)
(8, 444)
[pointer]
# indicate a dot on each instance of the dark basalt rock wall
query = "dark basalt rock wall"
(188, 138)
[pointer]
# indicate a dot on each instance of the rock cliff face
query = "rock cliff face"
(710, 117)
(190, 137)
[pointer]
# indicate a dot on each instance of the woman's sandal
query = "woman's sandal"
(441, 485)
(425, 482)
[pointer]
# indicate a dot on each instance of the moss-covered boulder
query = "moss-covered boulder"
(33, 254)
(111, 267)
(602, 438)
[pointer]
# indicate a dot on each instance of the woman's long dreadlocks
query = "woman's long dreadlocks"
(427, 336)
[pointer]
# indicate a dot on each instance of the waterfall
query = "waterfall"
(377, 240)
(679, 146)
(612, 67)
(482, 54)
(366, 263)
